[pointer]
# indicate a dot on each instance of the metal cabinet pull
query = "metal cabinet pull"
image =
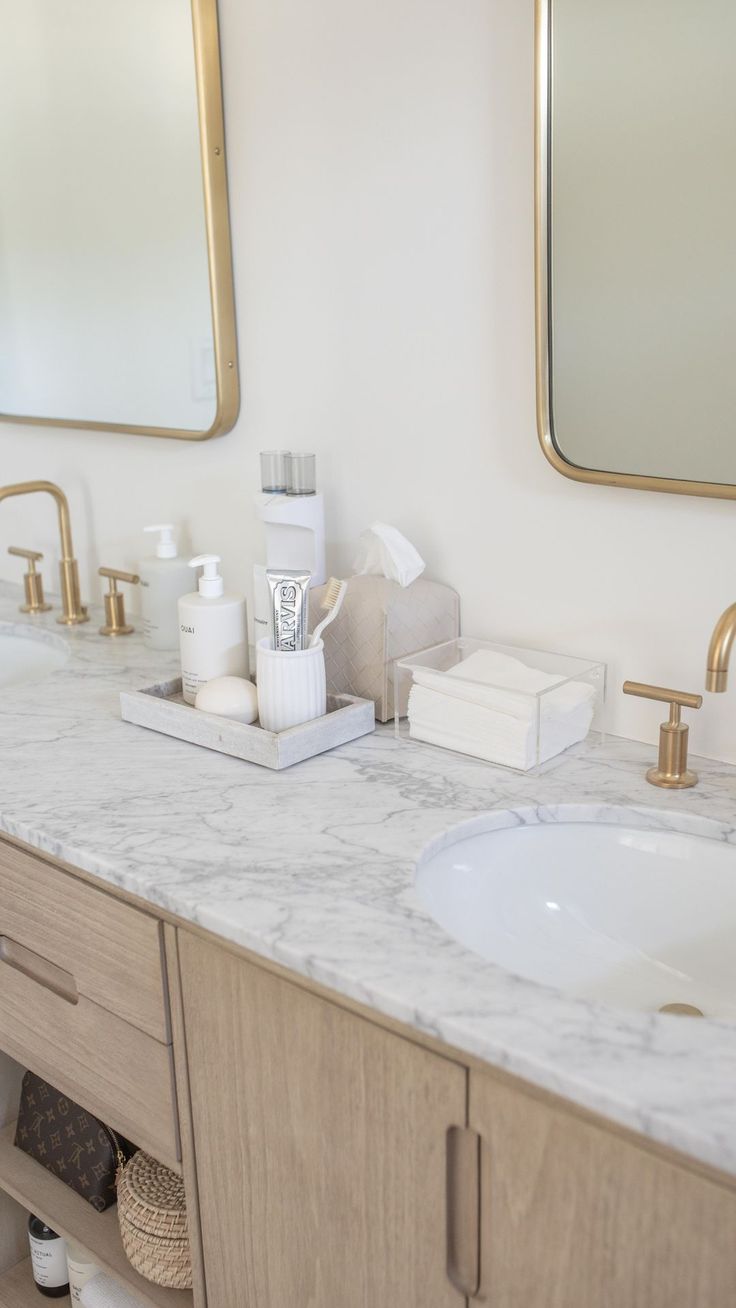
(39, 969)
(463, 1209)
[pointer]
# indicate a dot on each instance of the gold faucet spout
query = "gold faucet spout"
(719, 651)
(73, 611)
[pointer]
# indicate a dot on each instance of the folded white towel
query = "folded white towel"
(479, 707)
(103, 1292)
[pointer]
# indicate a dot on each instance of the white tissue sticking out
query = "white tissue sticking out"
(103, 1292)
(384, 552)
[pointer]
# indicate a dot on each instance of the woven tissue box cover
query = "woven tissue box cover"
(379, 622)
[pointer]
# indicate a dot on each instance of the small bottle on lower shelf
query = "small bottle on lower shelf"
(48, 1259)
(80, 1269)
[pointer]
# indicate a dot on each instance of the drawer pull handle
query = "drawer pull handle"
(39, 969)
(463, 1209)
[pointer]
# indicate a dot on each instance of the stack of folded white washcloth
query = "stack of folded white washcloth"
(487, 706)
(103, 1292)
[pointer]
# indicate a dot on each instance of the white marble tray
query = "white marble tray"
(162, 708)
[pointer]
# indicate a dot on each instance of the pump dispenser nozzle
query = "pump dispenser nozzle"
(211, 584)
(166, 546)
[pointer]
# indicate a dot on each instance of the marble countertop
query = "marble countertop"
(313, 867)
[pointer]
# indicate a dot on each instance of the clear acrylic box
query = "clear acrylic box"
(517, 708)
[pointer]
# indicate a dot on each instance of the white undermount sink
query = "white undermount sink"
(602, 903)
(29, 655)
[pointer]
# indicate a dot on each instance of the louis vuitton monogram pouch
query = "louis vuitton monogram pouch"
(68, 1141)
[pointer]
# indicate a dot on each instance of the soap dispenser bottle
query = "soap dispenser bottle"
(165, 577)
(213, 630)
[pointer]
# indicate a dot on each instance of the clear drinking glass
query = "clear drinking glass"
(273, 470)
(301, 474)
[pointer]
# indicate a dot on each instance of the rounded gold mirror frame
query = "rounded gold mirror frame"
(545, 422)
(219, 252)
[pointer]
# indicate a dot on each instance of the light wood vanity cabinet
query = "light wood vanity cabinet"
(320, 1143)
(83, 998)
(574, 1215)
(84, 1002)
(331, 1159)
(321, 1151)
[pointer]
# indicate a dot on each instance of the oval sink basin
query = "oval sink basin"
(29, 655)
(636, 917)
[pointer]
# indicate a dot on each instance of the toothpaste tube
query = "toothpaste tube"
(289, 593)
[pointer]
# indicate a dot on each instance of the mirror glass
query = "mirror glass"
(105, 307)
(642, 274)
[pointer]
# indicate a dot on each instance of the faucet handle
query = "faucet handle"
(671, 771)
(115, 624)
(33, 556)
(32, 581)
(679, 697)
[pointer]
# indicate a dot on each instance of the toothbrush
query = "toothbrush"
(332, 600)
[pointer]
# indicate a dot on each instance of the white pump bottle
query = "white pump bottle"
(213, 630)
(164, 578)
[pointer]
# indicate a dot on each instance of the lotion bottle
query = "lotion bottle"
(213, 630)
(165, 577)
(80, 1269)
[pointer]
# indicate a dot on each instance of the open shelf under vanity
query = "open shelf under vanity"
(37, 1191)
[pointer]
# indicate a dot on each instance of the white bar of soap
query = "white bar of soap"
(229, 697)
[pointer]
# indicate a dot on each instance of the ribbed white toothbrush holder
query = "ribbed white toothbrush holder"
(292, 687)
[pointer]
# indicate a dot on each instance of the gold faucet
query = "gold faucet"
(672, 771)
(719, 651)
(73, 611)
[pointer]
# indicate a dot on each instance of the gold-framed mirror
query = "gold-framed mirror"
(635, 274)
(116, 289)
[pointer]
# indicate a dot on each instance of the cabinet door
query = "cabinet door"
(575, 1216)
(320, 1143)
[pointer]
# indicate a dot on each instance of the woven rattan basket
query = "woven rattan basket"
(152, 1211)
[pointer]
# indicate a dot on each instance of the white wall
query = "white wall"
(380, 161)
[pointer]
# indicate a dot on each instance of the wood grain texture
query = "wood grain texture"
(11, 1076)
(13, 1220)
(113, 951)
(17, 1287)
(115, 1070)
(181, 1073)
(37, 1191)
(574, 1217)
(320, 1146)
(34, 965)
(13, 1234)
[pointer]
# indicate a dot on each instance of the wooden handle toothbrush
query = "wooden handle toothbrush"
(332, 600)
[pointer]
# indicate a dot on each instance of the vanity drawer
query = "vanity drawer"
(112, 952)
(83, 1000)
(119, 1073)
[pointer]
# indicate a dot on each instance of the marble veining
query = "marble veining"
(314, 867)
(27, 630)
